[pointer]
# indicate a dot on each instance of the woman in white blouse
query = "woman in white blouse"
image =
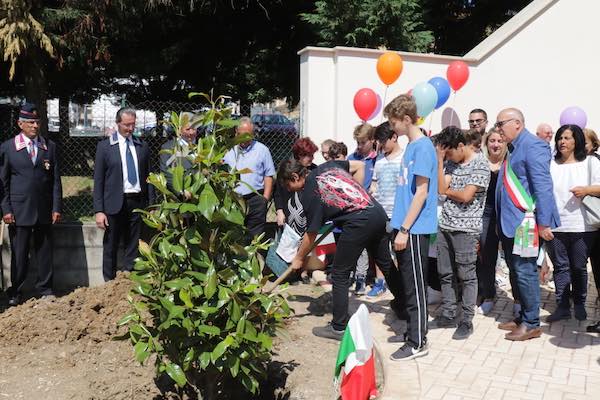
(572, 172)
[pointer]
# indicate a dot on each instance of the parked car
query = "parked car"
(276, 132)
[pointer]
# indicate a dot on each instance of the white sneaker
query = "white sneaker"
(433, 296)
(486, 307)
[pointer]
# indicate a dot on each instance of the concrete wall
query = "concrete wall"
(77, 257)
(541, 61)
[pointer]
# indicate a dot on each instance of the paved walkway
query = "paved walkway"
(563, 364)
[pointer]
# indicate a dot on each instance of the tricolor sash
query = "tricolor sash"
(526, 242)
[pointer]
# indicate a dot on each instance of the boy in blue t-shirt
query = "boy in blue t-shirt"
(414, 219)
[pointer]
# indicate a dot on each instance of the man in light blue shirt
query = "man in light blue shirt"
(257, 185)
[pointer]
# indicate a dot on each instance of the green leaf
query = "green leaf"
(211, 283)
(241, 326)
(235, 366)
(189, 357)
(179, 283)
(178, 251)
(177, 173)
(209, 330)
(140, 350)
(129, 317)
(208, 202)
(188, 208)
(220, 349)
(204, 359)
(176, 373)
(184, 295)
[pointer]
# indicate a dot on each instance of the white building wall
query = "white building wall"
(543, 60)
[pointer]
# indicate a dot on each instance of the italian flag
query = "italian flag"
(355, 365)
(327, 244)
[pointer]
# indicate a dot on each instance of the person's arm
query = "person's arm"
(279, 203)
(463, 196)
(443, 181)
(268, 187)
(101, 220)
(590, 190)
(357, 169)
(541, 186)
(7, 211)
(421, 192)
(308, 240)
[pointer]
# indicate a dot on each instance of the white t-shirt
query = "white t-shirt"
(565, 177)
(387, 172)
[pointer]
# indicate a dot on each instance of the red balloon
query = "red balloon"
(365, 103)
(457, 74)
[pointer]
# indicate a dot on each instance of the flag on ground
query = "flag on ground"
(355, 365)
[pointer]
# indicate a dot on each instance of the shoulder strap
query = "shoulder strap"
(589, 170)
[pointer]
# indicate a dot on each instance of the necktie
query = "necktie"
(131, 174)
(32, 151)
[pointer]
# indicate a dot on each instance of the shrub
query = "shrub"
(197, 301)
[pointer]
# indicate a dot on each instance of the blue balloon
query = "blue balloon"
(442, 87)
(425, 97)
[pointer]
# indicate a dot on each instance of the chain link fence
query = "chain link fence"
(78, 128)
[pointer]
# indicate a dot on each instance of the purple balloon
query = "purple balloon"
(573, 116)
(377, 109)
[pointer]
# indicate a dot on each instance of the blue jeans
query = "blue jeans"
(527, 281)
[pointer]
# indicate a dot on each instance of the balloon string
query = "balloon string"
(383, 103)
(453, 108)
(431, 121)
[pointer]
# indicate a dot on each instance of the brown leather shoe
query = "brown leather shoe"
(523, 333)
(508, 326)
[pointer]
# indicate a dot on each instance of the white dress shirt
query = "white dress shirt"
(128, 187)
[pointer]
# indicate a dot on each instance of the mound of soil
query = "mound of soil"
(64, 349)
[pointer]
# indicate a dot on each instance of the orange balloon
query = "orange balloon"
(389, 67)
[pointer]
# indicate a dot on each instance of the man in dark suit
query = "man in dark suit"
(120, 186)
(178, 150)
(31, 201)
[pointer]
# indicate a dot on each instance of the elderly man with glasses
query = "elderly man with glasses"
(526, 209)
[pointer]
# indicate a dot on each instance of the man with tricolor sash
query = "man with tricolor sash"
(526, 211)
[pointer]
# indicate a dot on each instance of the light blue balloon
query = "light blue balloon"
(425, 97)
(442, 87)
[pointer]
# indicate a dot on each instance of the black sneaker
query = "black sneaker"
(441, 322)
(464, 330)
(398, 338)
(559, 314)
(327, 332)
(407, 352)
(594, 328)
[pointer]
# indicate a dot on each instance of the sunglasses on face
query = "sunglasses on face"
(500, 124)
(476, 121)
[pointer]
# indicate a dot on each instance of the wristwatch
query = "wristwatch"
(403, 230)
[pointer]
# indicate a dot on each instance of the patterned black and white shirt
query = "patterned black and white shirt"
(466, 217)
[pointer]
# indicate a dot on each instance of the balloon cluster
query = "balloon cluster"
(428, 96)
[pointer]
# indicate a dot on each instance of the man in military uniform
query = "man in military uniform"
(31, 201)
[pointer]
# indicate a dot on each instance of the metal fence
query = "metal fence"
(77, 129)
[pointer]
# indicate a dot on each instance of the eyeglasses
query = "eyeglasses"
(476, 121)
(500, 124)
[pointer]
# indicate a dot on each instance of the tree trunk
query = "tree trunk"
(36, 85)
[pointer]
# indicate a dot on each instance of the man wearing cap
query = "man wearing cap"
(120, 186)
(178, 150)
(31, 202)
